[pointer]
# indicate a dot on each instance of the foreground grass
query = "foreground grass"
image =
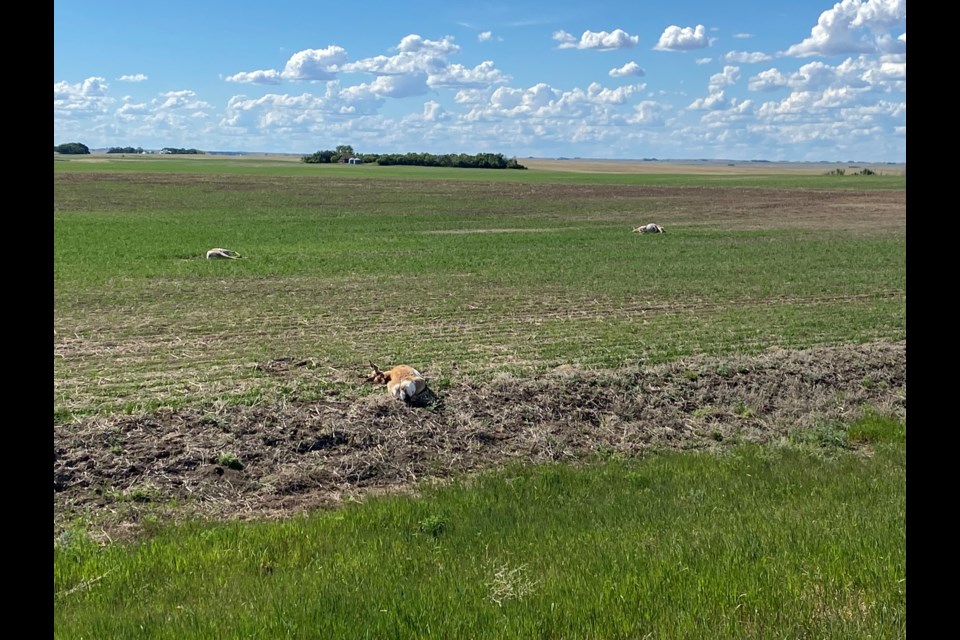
(806, 540)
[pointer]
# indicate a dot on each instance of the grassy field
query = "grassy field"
(757, 544)
(496, 284)
(488, 274)
(793, 175)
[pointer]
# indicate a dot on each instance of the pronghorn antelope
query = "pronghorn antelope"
(403, 381)
(219, 253)
(649, 228)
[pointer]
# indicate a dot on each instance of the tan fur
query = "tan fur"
(403, 381)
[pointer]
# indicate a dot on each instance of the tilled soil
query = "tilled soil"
(272, 461)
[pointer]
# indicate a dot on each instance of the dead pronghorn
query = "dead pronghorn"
(403, 381)
(649, 228)
(219, 253)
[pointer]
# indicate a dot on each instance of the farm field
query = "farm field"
(772, 312)
(488, 287)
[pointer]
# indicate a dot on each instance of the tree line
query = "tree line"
(71, 147)
(182, 151)
(79, 148)
(344, 153)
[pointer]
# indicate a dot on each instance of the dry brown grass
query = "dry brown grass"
(297, 456)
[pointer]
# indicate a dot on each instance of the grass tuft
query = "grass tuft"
(874, 428)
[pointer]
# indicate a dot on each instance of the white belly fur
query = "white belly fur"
(404, 388)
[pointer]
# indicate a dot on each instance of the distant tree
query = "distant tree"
(320, 157)
(125, 150)
(182, 151)
(461, 160)
(72, 147)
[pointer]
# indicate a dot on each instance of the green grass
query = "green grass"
(493, 276)
(761, 543)
(873, 428)
(286, 167)
(801, 540)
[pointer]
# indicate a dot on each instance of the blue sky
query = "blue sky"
(688, 79)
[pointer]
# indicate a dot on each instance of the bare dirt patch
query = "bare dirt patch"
(277, 460)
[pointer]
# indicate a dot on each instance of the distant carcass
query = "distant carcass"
(649, 228)
(219, 253)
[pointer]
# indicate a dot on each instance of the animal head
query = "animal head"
(377, 376)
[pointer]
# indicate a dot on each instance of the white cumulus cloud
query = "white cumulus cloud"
(399, 86)
(426, 61)
(886, 43)
(597, 93)
(746, 57)
(267, 76)
(675, 38)
(728, 76)
(814, 76)
(279, 112)
(136, 77)
(91, 87)
(629, 69)
(456, 76)
(315, 64)
(413, 43)
(183, 99)
(648, 112)
(88, 96)
(433, 112)
(599, 40)
(851, 26)
(508, 101)
(399, 64)
(129, 112)
(469, 96)
(716, 100)
(768, 80)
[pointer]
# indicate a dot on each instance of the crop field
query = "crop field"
(487, 286)
(771, 311)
